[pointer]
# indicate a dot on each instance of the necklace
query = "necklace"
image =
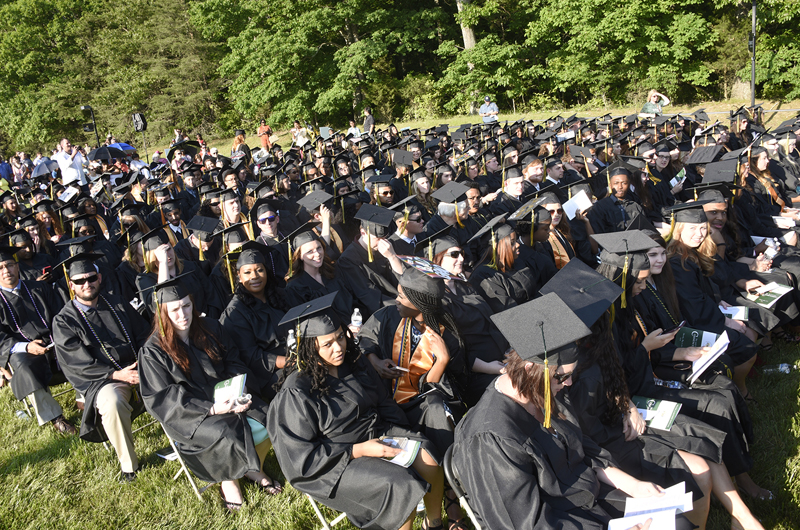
(655, 293)
(94, 333)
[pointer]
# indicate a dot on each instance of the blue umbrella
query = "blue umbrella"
(123, 146)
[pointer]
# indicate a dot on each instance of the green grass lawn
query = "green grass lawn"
(49, 480)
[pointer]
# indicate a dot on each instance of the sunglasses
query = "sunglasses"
(268, 218)
(81, 281)
(455, 254)
(386, 193)
(562, 377)
(417, 220)
(557, 210)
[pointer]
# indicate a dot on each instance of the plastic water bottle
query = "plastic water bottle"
(22, 415)
(783, 368)
(356, 320)
(291, 340)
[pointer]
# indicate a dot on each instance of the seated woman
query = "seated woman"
(313, 275)
(521, 460)
(696, 294)
(713, 398)
(161, 264)
(494, 277)
(327, 424)
(179, 365)
(46, 215)
(252, 317)
(691, 450)
(559, 245)
(484, 345)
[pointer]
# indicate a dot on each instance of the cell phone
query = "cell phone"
(47, 270)
(50, 346)
(401, 369)
(676, 328)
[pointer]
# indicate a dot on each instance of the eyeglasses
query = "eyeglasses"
(268, 218)
(81, 281)
(416, 220)
(664, 157)
(556, 210)
(562, 377)
(455, 253)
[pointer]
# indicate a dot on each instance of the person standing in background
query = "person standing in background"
(264, 132)
(369, 121)
(489, 110)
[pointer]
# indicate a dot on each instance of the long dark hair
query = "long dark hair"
(598, 348)
(308, 361)
(199, 335)
(528, 381)
(624, 318)
(271, 292)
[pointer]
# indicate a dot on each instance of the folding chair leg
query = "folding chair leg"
(325, 525)
(185, 469)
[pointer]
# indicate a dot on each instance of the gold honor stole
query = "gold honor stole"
(406, 386)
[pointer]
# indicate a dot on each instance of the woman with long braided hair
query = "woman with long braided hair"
(330, 412)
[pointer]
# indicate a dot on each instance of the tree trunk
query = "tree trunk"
(466, 31)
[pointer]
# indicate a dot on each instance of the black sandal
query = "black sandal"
(273, 488)
(232, 507)
(453, 525)
(750, 399)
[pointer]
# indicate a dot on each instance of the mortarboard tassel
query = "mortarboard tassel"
(547, 405)
(230, 272)
(171, 236)
(493, 264)
(369, 247)
(163, 221)
(343, 219)
(458, 218)
(624, 281)
(69, 288)
(158, 315)
(291, 257)
(200, 254)
(405, 217)
(430, 250)
(671, 227)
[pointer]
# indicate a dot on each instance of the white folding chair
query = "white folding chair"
(29, 405)
(185, 469)
(326, 525)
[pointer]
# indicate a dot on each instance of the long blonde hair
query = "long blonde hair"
(237, 141)
(702, 256)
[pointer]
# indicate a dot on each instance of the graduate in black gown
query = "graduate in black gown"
(314, 275)
(326, 422)
(185, 356)
(699, 302)
(97, 337)
(26, 313)
(614, 212)
(252, 316)
(521, 458)
(369, 266)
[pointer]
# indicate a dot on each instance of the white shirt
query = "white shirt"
(138, 164)
(65, 161)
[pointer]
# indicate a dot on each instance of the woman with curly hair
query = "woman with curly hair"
(252, 318)
(328, 424)
(184, 358)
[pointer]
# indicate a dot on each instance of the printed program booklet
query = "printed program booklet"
(657, 413)
(408, 450)
(229, 389)
(767, 295)
(690, 337)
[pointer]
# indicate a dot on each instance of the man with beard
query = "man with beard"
(97, 337)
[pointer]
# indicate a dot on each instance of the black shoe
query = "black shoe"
(63, 426)
(127, 478)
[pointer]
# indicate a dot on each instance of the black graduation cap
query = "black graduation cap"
(629, 247)
(418, 173)
(74, 242)
(722, 171)
(313, 319)
(641, 222)
(586, 292)
(252, 253)
(203, 228)
(580, 153)
(496, 224)
(301, 235)
(18, 236)
(28, 221)
(451, 192)
(7, 253)
(532, 211)
(513, 172)
(170, 205)
(312, 185)
(5, 196)
(414, 279)
(235, 233)
(544, 329)
(154, 238)
(713, 193)
(171, 290)
(401, 157)
(314, 200)
(81, 263)
(704, 154)
(404, 205)
(700, 115)
(689, 212)
(228, 194)
(375, 220)
(435, 243)
(43, 206)
(381, 178)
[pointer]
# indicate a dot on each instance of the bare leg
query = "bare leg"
(746, 484)
(259, 477)
(410, 521)
(702, 475)
(726, 493)
(740, 375)
(432, 473)
(454, 512)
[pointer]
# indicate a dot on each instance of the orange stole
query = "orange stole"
(406, 386)
(559, 252)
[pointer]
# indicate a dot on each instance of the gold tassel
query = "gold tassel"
(230, 272)
(405, 217)
(163, 221)
(343, 219)
(291, 256)
(171, 236)
(493, 264)
(624, 282)
(369, 247)
(430, 251)
(200, 253)
(671, 228)
(547, 405)
(458, 218)
(69, 287)
(158, 314)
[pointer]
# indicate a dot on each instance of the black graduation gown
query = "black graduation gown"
(504, 203)
(652, 456)
(373, 284)
(304, 288)
(519, 475)
(188, 252)
(482, 340)
(699, 306)
(31, 372)
(713, 398)
(426, 413)
(313, 435)
(504, 290)
(29, 272)
(126, 276)
(278, 260)
(606, 216)
(215, 448)
(401, 247)
(85, 363)
(254, 329)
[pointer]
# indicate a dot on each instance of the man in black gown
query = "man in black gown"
(97, 337)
